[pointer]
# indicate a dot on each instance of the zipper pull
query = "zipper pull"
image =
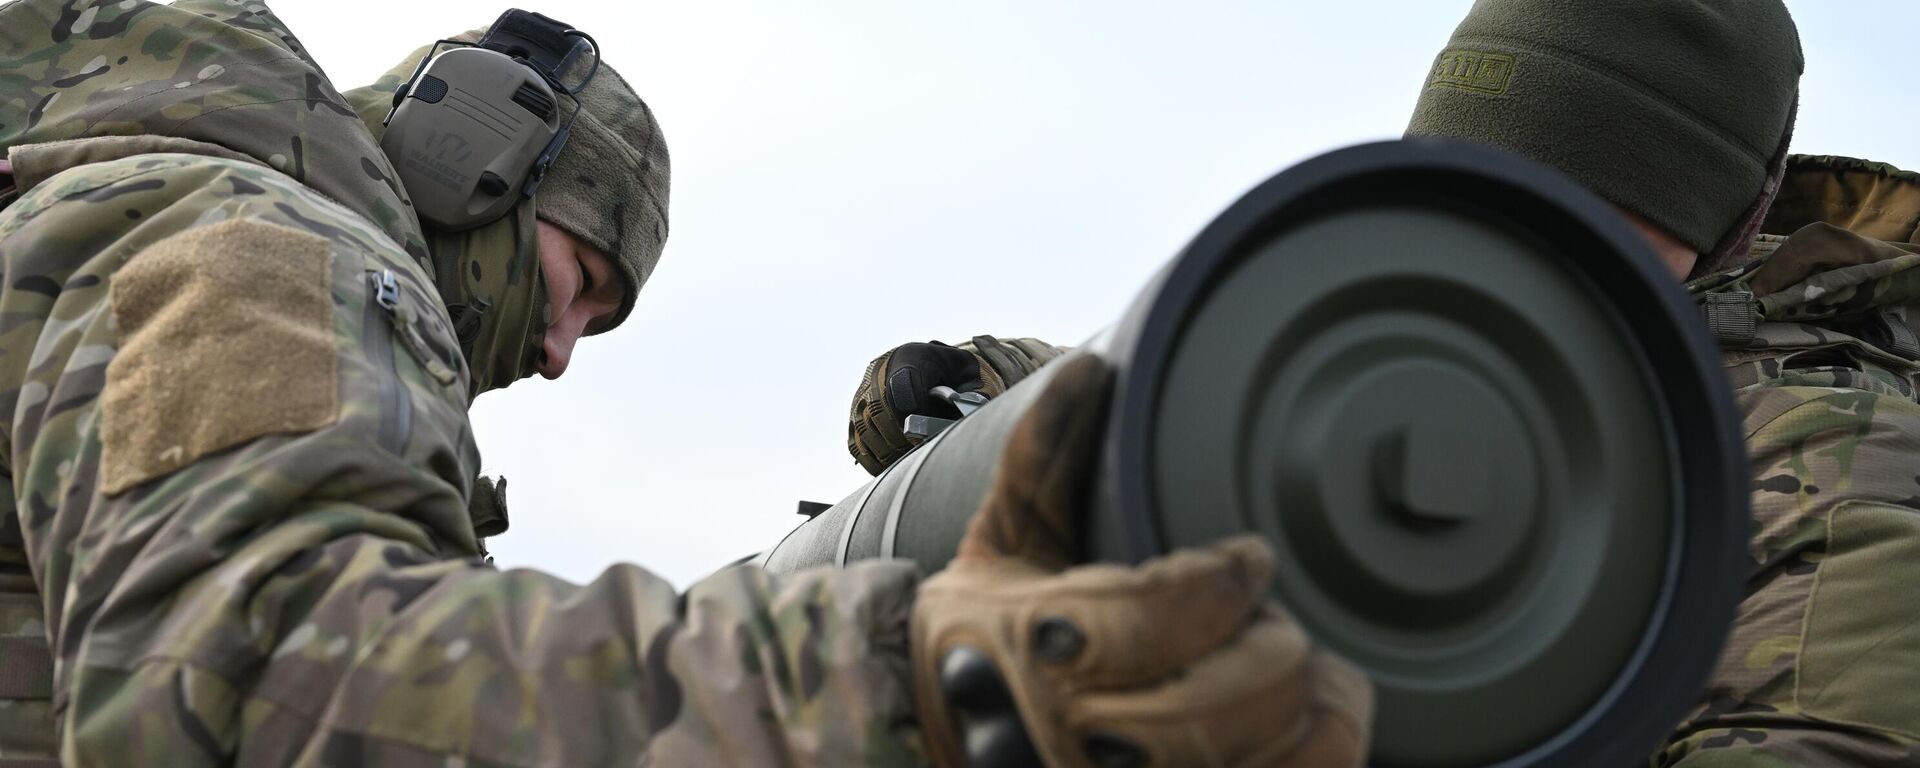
(386, 290)
(386, 293)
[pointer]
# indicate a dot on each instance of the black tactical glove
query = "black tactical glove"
(913, 370)
(899, 384)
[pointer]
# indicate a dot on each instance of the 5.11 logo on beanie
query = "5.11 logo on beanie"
(1476, 71)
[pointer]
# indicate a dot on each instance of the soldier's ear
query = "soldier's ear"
(1679, 257)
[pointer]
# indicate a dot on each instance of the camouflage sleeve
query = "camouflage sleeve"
(1824, 658)
(239, 447)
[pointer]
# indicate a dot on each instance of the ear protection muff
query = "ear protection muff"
(473, 131)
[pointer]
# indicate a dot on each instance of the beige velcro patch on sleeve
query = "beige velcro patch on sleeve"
(226, 334)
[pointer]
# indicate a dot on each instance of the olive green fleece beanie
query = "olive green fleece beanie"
(1677, 110)
(609, 186)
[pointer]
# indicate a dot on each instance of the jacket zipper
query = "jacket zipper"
(396, 410)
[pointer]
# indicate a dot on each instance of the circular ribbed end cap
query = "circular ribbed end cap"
(1427, 373)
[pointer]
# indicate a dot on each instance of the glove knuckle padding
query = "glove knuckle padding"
(1251, 697)
(874, 434)
(902, 386)
(1149, 622)
(1181, 657)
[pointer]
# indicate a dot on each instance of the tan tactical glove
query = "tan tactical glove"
(897, 385)
(1180, 661)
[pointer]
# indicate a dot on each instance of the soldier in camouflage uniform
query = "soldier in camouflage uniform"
(1680, 112)
(237, 528)
(1821, 667)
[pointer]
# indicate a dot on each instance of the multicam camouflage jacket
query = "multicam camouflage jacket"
(237, 462)
(1823, 666)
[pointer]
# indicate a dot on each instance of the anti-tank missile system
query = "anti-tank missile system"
(1481, 425)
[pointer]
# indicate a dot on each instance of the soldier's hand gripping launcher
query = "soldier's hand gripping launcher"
(1481, 425)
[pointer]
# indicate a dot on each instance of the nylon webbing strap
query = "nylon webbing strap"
(1900, 337)
(532, 36)
(487, 507)
(1733, 317)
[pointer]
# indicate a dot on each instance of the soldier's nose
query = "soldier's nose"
(554, 355)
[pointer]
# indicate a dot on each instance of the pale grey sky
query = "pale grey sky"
(851, 175)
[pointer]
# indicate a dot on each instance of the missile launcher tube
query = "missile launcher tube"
(1486, 433)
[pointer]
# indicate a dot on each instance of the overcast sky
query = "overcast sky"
(848, 176)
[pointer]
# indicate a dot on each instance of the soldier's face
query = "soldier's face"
(1678, 256)
(583, 293)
